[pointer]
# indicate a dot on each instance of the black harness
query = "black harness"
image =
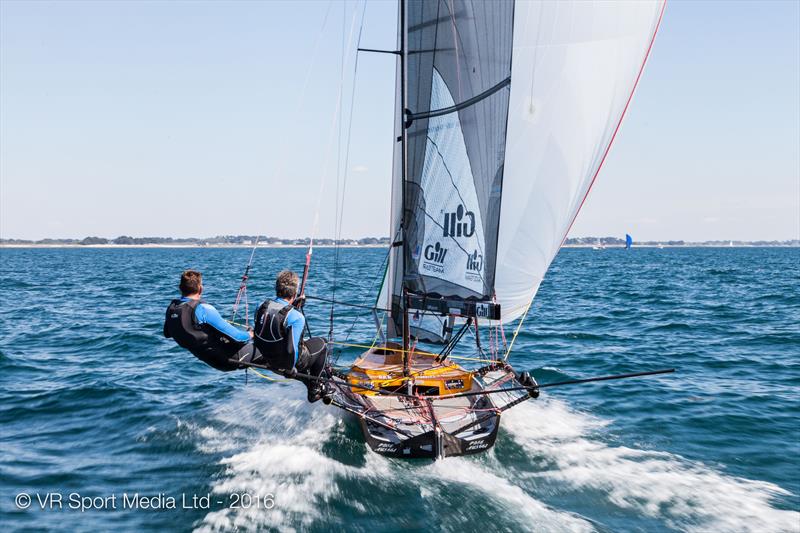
(204, 341)
(273, 338)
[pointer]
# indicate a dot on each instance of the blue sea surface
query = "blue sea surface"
(95, 403)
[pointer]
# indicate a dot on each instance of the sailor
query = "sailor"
(198, 327)
(279, 337)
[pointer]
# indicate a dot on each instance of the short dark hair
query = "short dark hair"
(191, 281)
(286, 284)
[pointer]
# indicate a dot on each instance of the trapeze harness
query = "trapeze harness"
(273, 338)
(204, 341)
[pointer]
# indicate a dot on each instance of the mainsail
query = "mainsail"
(506, 111)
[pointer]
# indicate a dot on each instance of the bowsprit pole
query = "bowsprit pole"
(243, 288)
(536, 386)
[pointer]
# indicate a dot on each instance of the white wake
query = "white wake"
(690, 496)
(274, 442)
(281, 440)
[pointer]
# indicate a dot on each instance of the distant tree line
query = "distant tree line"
(616, 241)
(245, 240)
(218, 240)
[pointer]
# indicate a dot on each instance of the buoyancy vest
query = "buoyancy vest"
(272, 337)
(204, 341)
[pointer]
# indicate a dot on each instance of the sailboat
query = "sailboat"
(505, 112)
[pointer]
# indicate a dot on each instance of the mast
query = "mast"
(403, 177)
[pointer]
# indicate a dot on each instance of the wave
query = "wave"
(688, 495)
(510, 496)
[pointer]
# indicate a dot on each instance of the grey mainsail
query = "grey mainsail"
(457, 75)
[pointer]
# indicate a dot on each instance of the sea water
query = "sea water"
(97, 408)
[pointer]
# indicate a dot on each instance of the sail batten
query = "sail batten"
(462, 105)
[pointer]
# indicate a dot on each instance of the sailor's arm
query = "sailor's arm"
(207, 314)
(296, 322)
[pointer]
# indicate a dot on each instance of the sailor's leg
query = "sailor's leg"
(247, 354)
(312, 362)
(257, 357)
(317, 348)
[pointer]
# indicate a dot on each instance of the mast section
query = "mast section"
(403, 176)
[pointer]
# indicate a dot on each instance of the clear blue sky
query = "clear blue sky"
(185, 119)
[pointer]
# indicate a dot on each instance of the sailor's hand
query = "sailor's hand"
(250, 332)
(300, 301)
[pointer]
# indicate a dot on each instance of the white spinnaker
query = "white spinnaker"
(575, 65)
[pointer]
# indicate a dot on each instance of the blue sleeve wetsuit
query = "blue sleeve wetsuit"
(297, 322)
(207, 314)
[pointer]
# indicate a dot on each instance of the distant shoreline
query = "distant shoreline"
(384, 246)
(188, 245)
(265, 241)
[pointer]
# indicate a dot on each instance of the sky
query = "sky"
(195, 119)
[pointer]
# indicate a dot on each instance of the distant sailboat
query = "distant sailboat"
(628, 241)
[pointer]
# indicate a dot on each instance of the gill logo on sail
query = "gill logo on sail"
(475, 261)
(434, 258)
(435, 252)
(474, 266)
(459, 223)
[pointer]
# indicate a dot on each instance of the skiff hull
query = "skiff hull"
(442, 411)
(429, 445)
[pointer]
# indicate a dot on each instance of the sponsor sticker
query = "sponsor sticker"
(477, 445)
(454, 384)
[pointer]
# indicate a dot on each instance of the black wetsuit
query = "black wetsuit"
(278, 338)
(204, 340)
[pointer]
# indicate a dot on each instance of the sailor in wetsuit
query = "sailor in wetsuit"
(279, 337)
(198, 327)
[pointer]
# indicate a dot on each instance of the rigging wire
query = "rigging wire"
(343, 173)
(280, 169)
(375, 279)
(335, 121)
(516, 331)
(243, 288)
(336, 116)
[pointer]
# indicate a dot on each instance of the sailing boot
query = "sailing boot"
(313, 390)
(317, 390)
(527, 381)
